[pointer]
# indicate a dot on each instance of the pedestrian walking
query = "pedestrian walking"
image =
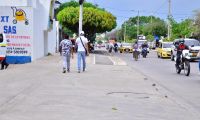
(3, 48)
(4, 64)
(82, 51)
(67, 52)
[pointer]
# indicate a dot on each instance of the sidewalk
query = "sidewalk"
(40, 91)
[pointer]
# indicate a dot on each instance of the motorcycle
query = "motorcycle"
(184, 63)
(110, 49)
(136, 54)
(144, 52)
(116, 49)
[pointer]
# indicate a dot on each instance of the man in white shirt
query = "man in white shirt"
(82, 44)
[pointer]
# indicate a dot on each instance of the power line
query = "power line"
(144, 11)
(169, 17)
(160, 6)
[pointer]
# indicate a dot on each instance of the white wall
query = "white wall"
(52, 39)
(43, 7)
(44, 41)
(38, 32)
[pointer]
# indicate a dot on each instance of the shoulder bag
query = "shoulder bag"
(86, 52)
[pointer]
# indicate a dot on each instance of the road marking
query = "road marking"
(94, 60)
(117, 61)
(114, 63)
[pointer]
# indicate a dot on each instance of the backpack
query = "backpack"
(182, 47)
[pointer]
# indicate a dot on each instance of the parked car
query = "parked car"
(164, 49)
(194, 47)
(126, 47)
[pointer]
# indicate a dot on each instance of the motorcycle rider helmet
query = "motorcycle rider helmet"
(181, 41)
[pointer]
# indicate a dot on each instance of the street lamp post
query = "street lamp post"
(125, 32)
(138, 24)
(81, 16)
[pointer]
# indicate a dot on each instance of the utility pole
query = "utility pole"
(138, 24)
(169, 23)
(81, 16)
(125, 31)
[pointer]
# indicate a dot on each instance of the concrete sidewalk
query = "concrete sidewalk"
(40, 91)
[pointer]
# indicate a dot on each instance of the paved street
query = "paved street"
(112, 88)
(163, 72)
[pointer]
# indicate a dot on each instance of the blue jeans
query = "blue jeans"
(81, 55)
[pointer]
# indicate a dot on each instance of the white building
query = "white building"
(30, 29)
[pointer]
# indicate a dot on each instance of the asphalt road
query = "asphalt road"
(185, 89)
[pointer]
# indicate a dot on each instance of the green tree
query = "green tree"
(148, 26)
(196, 26)
(73, 3)
(184, 28)
(157, 28)
(95, 20)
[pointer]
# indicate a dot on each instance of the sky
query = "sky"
(124, 9)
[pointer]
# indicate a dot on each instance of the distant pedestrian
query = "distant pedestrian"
(4, 64)
(82, 44)
(67, 52)
(3, 48)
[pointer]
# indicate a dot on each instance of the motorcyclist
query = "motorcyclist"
(180, 47)
(115, 47)
(111, 46)
(144, 45)
(135, 46)
(135, 50)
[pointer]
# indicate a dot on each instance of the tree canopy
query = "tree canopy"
(95, 20)
(196, 23)
(151, 26)
(148, 26)
(184, 28)
(73, 3)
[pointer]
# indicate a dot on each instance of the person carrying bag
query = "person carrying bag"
(82, 51)
(86, 51)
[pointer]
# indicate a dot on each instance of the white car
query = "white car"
(194, 47)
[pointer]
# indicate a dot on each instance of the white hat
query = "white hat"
(82, 33)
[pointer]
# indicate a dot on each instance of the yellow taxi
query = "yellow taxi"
(164, 49)
(125, 47)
